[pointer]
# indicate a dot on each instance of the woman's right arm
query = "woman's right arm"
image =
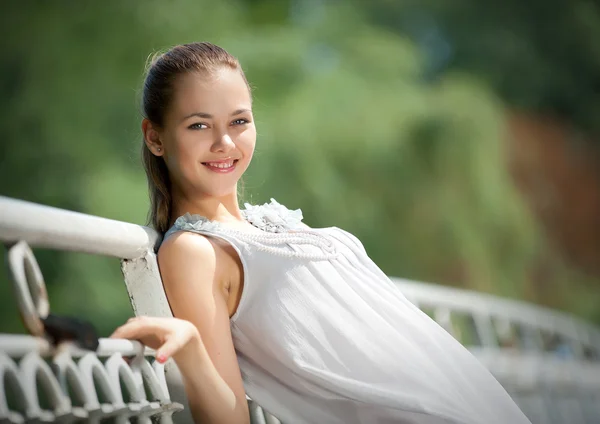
(190, 271)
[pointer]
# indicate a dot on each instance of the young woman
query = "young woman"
(299, 318)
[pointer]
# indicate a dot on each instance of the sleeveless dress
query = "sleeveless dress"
(323, 336)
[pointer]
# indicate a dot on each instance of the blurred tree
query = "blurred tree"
(539, 55)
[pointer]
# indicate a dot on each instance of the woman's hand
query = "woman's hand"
(170, 337)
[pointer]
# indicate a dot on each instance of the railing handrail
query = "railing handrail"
(49, 227)
(461, 300)
(16, 345)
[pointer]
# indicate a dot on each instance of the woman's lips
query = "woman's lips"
(221, 167)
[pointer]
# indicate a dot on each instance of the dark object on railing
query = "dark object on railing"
(62, 328)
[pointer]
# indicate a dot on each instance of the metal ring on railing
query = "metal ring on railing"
(29, 287)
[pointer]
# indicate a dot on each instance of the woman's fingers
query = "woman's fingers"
(167, 335)
(171, 346)
(139, 327)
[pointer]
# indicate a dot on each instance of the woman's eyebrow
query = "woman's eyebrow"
(240, 111)
(209, 116)
(199, 115)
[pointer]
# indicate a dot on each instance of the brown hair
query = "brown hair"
(161, 73)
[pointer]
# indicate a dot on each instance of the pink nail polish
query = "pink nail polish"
(161, 358)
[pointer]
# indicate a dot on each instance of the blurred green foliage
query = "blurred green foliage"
(355, 126)
(540, 55)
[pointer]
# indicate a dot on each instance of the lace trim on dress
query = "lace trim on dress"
(272, 217)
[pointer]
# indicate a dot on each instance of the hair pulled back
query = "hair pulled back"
(161, 74)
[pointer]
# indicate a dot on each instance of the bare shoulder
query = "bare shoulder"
(186, 254)
(184, 246)
(190, 271)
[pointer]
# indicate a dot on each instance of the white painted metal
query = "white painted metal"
(45, 226)
(81, 385)
(555, 381)
(142, 278)
(29, 287)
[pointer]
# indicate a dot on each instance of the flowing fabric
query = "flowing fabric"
(323, 336)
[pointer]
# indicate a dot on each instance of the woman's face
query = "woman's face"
(209, 133)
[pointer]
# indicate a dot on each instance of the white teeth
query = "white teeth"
(222, 165)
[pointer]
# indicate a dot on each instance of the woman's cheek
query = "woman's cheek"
(180, 166)
(249, 141)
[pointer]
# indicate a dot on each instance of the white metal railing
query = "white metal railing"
(548, 361)
(64, 373)
(486, 321)
(76, 384)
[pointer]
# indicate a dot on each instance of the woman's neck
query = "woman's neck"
(224, 209)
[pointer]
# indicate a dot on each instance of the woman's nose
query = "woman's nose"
(224, 143)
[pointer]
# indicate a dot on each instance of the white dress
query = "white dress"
(323, 336)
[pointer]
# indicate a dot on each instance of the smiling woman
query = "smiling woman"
(301, 319)
(198, 125)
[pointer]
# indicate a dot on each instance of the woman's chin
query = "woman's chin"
(219, 191)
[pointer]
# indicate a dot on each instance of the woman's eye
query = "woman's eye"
(240, 121)
(198, 126)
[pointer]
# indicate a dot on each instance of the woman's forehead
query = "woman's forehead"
(221, 90)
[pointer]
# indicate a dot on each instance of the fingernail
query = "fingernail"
(161, 358)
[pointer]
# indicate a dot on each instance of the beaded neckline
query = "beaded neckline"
(269, 217)
(280, 227)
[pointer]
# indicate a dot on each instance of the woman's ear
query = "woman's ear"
(152, 138)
